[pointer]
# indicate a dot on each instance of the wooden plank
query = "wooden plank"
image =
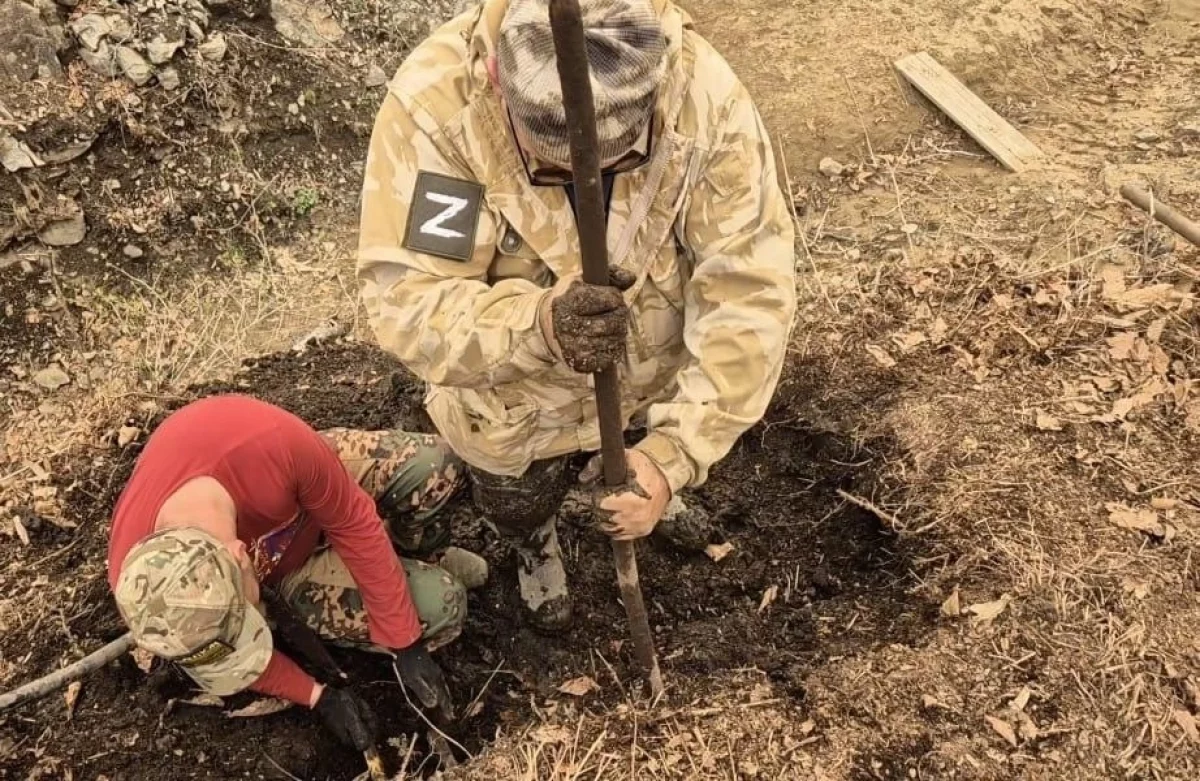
(1014, 151)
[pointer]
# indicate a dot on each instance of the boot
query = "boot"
(543, 579)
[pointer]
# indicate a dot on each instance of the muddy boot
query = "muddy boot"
(543, 579)
(471, 569)
(689, 527)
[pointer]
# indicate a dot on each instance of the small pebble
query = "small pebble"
(831, 168)
(133, 251)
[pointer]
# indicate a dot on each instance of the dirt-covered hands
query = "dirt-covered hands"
(348, 717)
(630, 511)
(585, 325)
(421, 675)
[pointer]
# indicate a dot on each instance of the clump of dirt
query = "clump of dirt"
(807, 577)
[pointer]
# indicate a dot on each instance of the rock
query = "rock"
(102, 61)
(1188, 131)
(194, 31)
(134, 66)
(1147, 136)
(214, 48)
(119, 28)
(306, 22)
(831, 168)
(132, 251)
(90, 29)
(160, 52)
(375, 77)
(67, 3)
(15, 155)
(51, 378)
(127, 434)
(690, 528)
(28, 46)
(65, 232)
(168, 78)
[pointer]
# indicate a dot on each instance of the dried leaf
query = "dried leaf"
(71, 695)
(1120, 347)
(768, 597)
(909, 340)
(1188, 722)
(1161, 295)
(807, 727)
(1144, 520)
(1135, 589)
(952, 607)
(127, 434)
(19, 528)
(1025, 726)
(1022, 699)
(1113, 277)
(881, 356)
(929, 701)
(551, 733)
(1048, 422)
(577, 687)
(143, 659)
(1155, 330)
(1164, 503)
(1003, 729)
(989, 611)
(263, 706)
(937, 331)
(718, 552)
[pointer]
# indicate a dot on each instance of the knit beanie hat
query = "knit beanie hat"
(625, 50)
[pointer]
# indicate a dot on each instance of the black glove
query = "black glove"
(347, 717)
(420, 675)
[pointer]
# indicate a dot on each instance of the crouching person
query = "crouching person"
(233, 499)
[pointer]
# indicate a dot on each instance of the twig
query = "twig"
(1147, 202)
(486, 684)
(279, 768)
(865, 504)
(59, 678)
(861, 121)
(424, 718)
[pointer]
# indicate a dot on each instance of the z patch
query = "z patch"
(213, 652)
(443, 216)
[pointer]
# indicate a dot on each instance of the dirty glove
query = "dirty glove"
(347, 717)
(419, 674)
(585, 325)
(630, 511)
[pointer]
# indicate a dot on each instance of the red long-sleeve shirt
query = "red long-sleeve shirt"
(288, 487)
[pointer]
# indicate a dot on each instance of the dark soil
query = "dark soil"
(842, 588)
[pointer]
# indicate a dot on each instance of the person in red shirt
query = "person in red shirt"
(231, 495)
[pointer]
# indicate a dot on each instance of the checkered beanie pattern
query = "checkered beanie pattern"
(626, 51)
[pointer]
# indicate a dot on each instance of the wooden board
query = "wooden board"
(1014, 151)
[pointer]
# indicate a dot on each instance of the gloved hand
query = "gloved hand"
(347, 717)
(630, 511)
(585, 325)
(421, 675)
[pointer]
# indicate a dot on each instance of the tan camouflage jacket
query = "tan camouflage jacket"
(453, 267)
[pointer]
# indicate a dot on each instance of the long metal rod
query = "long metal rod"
(566, 20)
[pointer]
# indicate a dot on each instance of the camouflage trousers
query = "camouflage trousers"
(411, 477)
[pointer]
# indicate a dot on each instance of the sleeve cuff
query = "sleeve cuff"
(668, 456)
(532, 352)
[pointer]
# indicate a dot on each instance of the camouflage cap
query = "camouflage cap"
(625, 49)
(180, 593)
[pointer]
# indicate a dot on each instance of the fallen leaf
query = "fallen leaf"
(72, 696)
(908, 340)
(1022, 699)
(263, 706)
(19, 528)
(1164, 503)
(1188, 722)
(552, 733)
(881, 356)
(1025, 726)
(937, 331)
(718, 552)
(1113, 277)
(205, 701)
(952, 607)
(1048, 422)
(1121, 346)
(989, 611)
(1003, 729)
(127, 434)
(1135, 589)
(807, 727)
(768, 597)
(929, 701)
(1160, 295)
(473, 711)
(577, 687)
(1144, 520)
(1155, 330)
(143, 659)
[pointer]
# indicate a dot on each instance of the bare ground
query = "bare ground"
(1000, 365)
